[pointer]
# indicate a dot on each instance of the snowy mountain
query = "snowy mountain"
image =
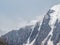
(45, 33)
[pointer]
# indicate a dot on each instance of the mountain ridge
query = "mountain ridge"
(46, 32)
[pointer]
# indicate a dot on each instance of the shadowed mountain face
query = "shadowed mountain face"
(47, 33)
(2, 42)
(18, 37)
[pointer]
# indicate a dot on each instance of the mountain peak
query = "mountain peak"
(36, 32)
(56, 7)
(55, 15)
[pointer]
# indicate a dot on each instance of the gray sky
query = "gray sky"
(14, 13)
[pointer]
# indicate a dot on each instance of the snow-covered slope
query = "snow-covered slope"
(46, 32)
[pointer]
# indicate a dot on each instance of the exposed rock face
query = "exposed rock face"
(2, 42)
(48, 33)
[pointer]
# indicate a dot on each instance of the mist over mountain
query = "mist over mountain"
(46, 32)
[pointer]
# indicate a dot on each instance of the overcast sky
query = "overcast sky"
(14, 13)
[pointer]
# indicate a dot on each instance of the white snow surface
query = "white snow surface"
(55, 15)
